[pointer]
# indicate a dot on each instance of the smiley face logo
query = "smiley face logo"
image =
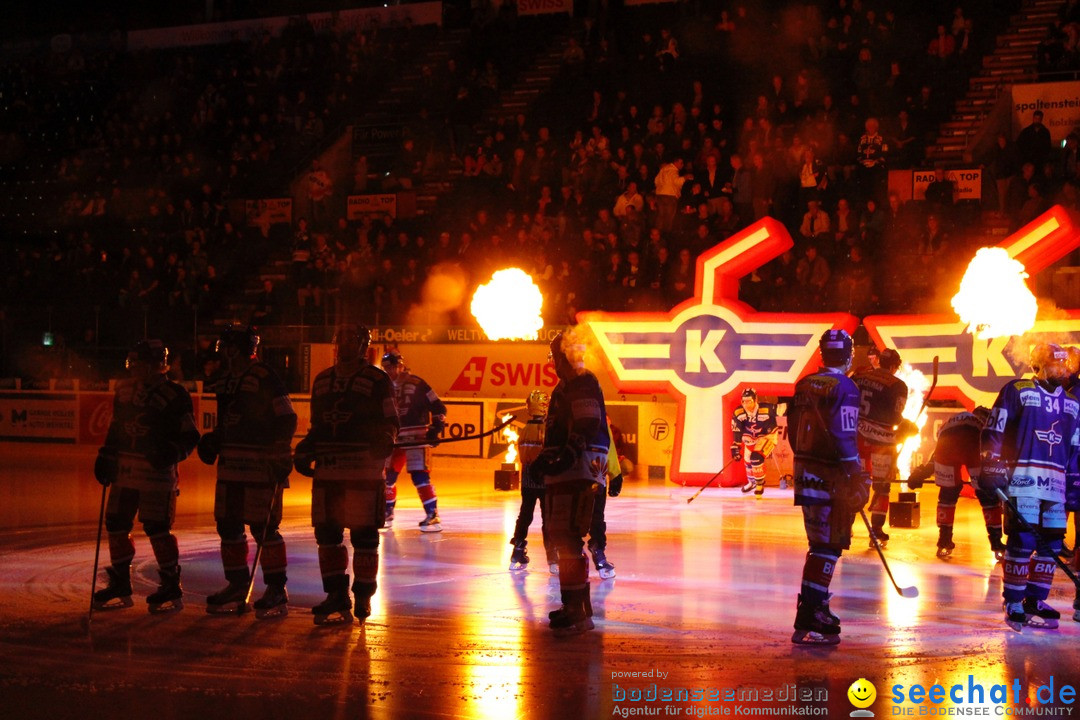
(862, 693)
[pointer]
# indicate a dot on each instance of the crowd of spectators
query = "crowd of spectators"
(664, 133)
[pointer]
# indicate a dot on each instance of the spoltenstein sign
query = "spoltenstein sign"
(972, 371)
(707, 349)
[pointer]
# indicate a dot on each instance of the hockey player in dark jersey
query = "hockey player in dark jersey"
(830, 483)
(1072, 492)
(422, 416)
(958, 448)
(354, 424)
(753, 438)
(251, 445)
(152, 429)
(530, 443)
(881, 429)
(573, 464)
(1029, 449)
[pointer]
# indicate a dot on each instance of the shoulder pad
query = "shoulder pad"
(1024, 384)
(740, 413)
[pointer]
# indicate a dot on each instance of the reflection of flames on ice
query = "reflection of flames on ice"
(918, 385)
(993, 298)
(510, 435)
(508, 307)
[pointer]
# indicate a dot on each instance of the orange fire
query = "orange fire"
(993, 299)
(918, 385)
(511, 436)
(508, 307)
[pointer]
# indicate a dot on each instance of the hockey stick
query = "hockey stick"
(1026, 526)
(278, 489)
(908, 592)
(486, 433)
(97, 557)
(933, 385)
(712, 480)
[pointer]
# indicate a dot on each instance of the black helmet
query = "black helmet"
(149, 352)
(362, 334)
(239, 336)
(749, 393)
(393, 358)
(836, 348)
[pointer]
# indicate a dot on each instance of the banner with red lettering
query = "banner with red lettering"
(544, 7)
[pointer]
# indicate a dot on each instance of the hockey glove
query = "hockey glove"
(614, 486)
(280, 465)
(906, 429)
(433, 435)
(765, 444)
(107, 466)
(382, 445)
(856, 493)
(164, 456)
(1072, 493)
(209, 447)
(736, 452)
(914, 483)
(304, 458)
(994, 475)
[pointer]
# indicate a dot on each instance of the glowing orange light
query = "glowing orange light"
(993, 299)
(508, 307)
(918, 385)
(511, 437)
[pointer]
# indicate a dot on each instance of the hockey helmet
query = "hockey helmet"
(873, 352)
(537, 403)
(392, 358)
(150, 353)
(836, 348)
(350, 331)
(567, 355)
(242, 337)
(981, 413)
(890, 360)
(1050, 362)
(749, 399)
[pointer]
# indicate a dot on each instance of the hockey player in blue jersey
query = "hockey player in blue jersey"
(1029, 450)
(753, 437)
(830, 483)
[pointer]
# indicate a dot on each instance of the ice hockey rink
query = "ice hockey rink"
(703, 603)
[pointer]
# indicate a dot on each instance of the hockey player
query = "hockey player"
(1029, 451)
(423, 417)
(830, 483)
(152, 429)
(530, 443)
(598, 527)
(1072, 492)
(573, 464)
(251, 445)
(753, 433)
(881, 428)
(354, 423)
(958, 447)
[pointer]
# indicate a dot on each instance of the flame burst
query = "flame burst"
(510, 435)
(508, 307)
(918, 385)
(993, 299)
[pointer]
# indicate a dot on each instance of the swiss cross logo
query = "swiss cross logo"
(471, 376)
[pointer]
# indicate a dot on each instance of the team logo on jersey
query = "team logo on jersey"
(338, 416)
(706, 349)
(973, 370)
(1051, 437)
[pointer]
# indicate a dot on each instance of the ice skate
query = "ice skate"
(117, 594)
(169, 595)
(575, 616)
(945, 551)
(815, 624)
(553, 567)
(750, 485)
(759, 488)
(605, 568)
(431, 523)
(273, 603)
(519, 558)
(1040, 615)
(1015, 617)
(230, 600)
(388, 522)
(882, 538)
(336, 609)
